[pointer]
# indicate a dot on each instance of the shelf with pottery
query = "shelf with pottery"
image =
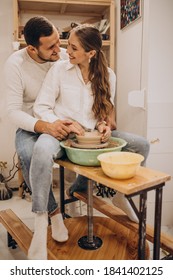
(64, 42)
(92, 11)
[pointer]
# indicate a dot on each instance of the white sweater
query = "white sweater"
(24, 77)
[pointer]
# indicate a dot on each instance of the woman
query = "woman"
(83, 90)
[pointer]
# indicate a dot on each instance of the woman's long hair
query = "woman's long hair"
(90, 39)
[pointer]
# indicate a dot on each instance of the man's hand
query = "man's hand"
(59, 129)
(76, 128)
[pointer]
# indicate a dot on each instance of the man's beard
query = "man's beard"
(44, 59)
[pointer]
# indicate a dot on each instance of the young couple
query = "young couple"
(52, 92)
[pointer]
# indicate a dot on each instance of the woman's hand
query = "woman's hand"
(103, 128)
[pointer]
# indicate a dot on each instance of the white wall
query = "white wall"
(160, 97)
(145, 61)
(129, 62)
(6, 36)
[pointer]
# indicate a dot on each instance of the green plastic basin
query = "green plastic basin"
(88, 157)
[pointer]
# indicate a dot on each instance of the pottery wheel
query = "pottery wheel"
(75, 144)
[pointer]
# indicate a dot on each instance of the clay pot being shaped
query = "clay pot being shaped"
(90, 137)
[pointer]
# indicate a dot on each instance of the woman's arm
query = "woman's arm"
(111, 119)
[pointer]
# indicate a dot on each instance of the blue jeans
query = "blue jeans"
(135, 144)
(36, 153)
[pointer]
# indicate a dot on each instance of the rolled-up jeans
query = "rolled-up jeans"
(36, 153)
(135, 144)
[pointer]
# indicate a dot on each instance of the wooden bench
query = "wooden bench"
(144, 181)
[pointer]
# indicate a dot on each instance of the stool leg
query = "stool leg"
(11, 242)
(90, 242)
(20, 181)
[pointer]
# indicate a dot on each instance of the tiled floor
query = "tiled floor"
(22, 208)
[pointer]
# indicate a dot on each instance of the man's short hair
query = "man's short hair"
(35, 28)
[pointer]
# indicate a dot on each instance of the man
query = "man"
(25, 71)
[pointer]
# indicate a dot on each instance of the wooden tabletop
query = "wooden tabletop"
(145, 178)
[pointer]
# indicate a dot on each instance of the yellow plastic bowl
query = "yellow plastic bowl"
(120, 165)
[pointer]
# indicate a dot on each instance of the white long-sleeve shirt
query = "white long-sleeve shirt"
(64, 95)
(24, 77)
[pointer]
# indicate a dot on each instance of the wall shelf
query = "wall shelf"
(95, 10)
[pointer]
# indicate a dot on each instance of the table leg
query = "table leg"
(61, 170)
(157, 222)
(142, 225)
(90, 242)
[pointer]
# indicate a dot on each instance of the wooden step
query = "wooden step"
(119, 216)
(18, 230)
(119, 243)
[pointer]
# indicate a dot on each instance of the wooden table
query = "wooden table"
(145, 180)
